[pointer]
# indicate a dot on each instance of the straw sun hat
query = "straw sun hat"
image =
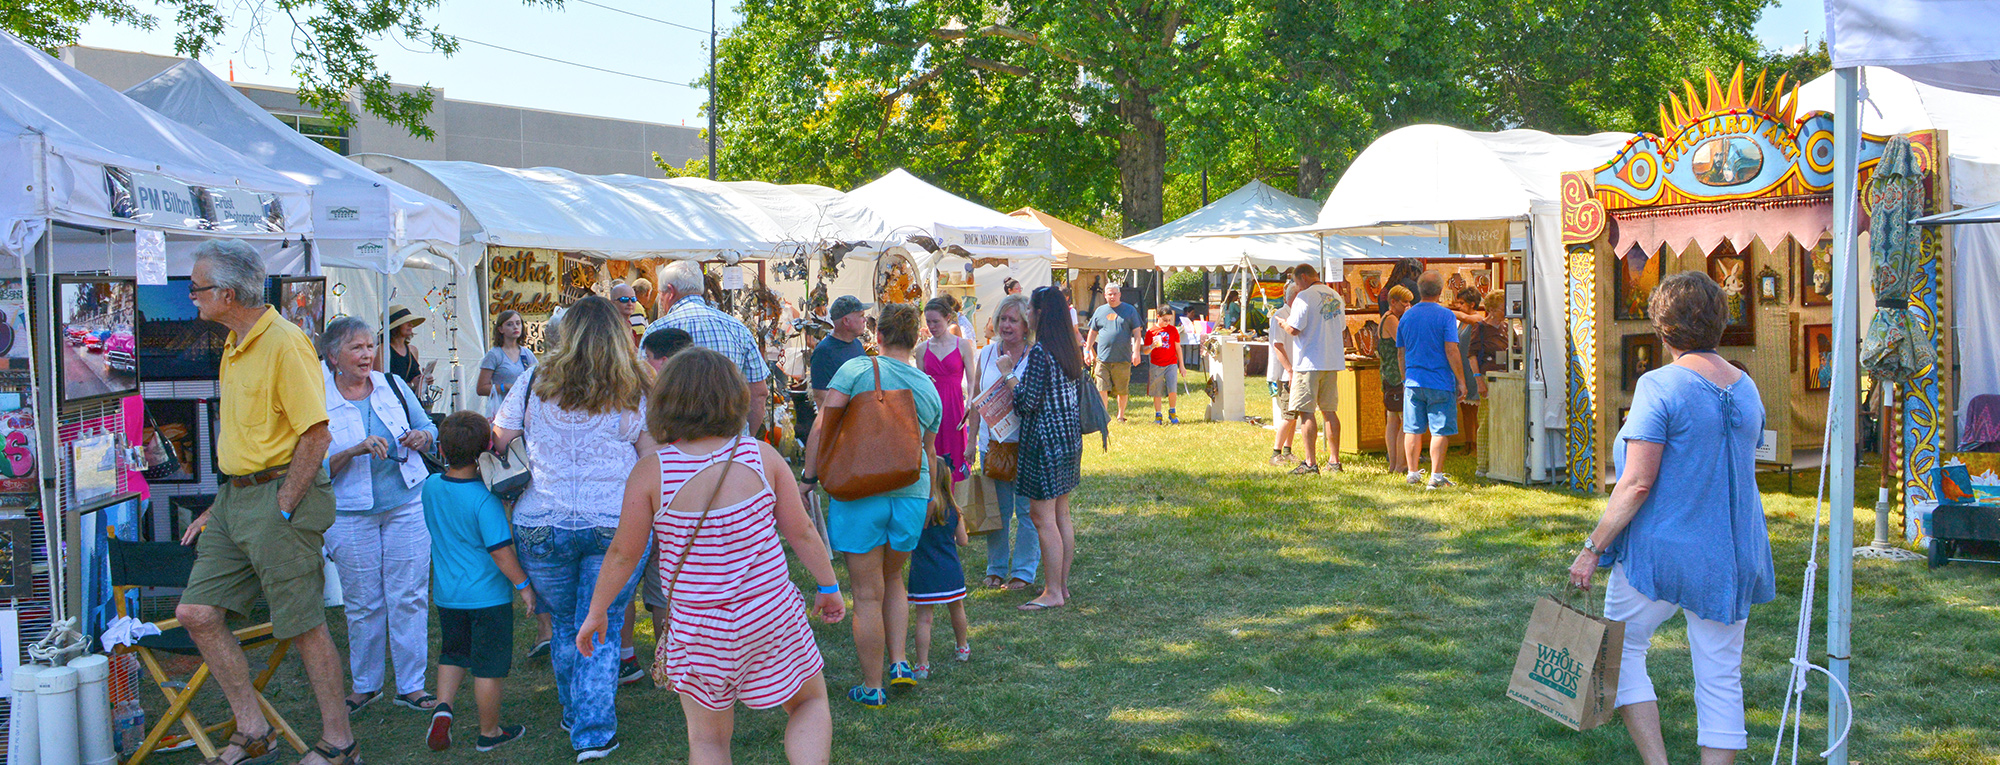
(399, 316)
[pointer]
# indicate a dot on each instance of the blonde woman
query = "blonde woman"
(582, 411)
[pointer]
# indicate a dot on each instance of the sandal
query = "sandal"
(256, 751)
(335, 756)
(355, 706)
(1022, 584)
(993, 582)
(419, 703)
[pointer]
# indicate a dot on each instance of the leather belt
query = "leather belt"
(259, 478)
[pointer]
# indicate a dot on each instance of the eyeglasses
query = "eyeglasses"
(192, 290)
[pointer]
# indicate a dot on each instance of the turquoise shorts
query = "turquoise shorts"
(865, 524)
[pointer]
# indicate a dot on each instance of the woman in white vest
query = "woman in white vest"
(378, 542)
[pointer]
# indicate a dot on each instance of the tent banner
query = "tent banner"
(524, 280)
(158, 200)
(997, 241)
(1480, 237)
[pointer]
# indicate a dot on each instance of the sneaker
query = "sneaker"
(923, 671)
(1414, 478)
(1305, 468)
(1158, 420)
(541, 649)
(901, 674)
(1334, 467)
(439, 737)
(964, 653)
(1278, 459)
(1440, 481)
(597, 752)
(871, 698)
(564, 725)
(629, 671)
(1173, 419)
(508, 733)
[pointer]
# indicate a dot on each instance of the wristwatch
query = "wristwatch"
(1591, 546)
(809, 480)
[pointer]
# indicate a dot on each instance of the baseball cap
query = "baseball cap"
(842, 306)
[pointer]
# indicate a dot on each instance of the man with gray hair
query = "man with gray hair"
(682, 307)
(1433, 379)
(264, 533)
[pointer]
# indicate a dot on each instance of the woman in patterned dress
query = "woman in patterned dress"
(1051, 439)
(717, 503)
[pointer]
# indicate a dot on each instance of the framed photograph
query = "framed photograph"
(15, 347)
(17, 556)
(1731, 270)
(1517, 300)
(302, 301)
(1815, 269)
(178, 421)
(1635, 277)
(1637, 355)
(174, 342)
(98, 354)
(1817, 339)
(1770, 287)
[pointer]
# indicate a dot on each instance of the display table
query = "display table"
(1953, 527)
(1225, 367)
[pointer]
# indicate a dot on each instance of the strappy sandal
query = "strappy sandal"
(334, 756)
(993, 582)
(355, 706)
(418, 702)
(256, 751)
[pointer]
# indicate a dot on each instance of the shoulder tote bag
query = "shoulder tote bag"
(506, 474)
(871, 445)
(1091, 416)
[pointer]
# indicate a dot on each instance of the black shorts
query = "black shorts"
(1392, 399)
(479, 639)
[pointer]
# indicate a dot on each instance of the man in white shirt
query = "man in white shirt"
(1316, 320)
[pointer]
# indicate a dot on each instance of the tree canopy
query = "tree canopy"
(1108, 112)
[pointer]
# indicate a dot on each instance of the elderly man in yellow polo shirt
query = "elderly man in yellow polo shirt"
(272, 509)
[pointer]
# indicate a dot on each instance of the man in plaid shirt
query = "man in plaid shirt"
(682, 307)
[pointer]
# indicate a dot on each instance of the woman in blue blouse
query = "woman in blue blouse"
(1693, 430)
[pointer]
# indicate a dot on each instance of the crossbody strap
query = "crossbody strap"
(729, 461)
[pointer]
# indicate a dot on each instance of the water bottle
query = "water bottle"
(128, 724)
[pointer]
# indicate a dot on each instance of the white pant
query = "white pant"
(385, 578)
(1717, 650)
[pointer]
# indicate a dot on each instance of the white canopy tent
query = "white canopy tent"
(360, 219)
(73, 151)
(1416, 180)
(959, 227)
(1206, 239)
(1946, 45)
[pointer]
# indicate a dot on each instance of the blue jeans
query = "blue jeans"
(1430, 409)
(1026, 555)
(563, 565)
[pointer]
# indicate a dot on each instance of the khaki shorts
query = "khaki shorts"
(1314, 391)
(651, 592)
(249, 549)
(1114, 378)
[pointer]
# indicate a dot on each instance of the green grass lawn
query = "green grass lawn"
(1225, 612)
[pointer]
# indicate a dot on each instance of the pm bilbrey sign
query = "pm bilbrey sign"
(159, 200)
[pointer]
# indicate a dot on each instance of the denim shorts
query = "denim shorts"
(1430, 408)
(864, 524)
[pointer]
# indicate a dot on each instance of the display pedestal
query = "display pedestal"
(1362, 417)
(1225, 367)
(1506, 435)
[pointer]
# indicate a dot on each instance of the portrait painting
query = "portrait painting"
(1635, 277)
(1815, 271)
(1638, 354)
(1818, 344)
(1731, 270)
(1727, 161)
(1770, 286)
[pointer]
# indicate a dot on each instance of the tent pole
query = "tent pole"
(1841, 403)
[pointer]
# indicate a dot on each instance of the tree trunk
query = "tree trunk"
(1312, 175)
(1142, 164)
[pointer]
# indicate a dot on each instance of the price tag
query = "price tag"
(152, 247)
(1767, 450)
(732, 277)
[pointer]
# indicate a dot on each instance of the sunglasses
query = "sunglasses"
(627, 299)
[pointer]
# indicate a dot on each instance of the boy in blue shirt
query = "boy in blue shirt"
(474, 576)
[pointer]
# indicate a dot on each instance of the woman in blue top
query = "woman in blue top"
(878, 533)
(378, 541)
(1693, 428)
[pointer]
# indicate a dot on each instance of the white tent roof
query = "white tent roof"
(807, 214)
(60, 129)
(1200, 239)
(912, 207)
(622, 217)
(1897, 104)
(1947, 45)
(1434, 173)
(360, 219)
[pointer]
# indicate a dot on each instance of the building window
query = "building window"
(320, 129)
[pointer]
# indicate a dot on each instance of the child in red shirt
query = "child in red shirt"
(1163, 351)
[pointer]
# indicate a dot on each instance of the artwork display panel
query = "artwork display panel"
(97, 351)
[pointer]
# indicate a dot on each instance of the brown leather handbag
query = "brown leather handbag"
(1003, 460)
(871, 445)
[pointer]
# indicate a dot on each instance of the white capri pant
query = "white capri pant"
(1717, 650)
(385, 578)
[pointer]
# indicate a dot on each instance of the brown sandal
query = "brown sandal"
(333, 756)
(256, 751)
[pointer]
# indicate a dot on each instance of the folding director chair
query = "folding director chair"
(167, 564)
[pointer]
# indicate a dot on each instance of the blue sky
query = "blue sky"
(593, 35)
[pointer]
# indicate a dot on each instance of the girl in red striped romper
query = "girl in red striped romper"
(738, 630)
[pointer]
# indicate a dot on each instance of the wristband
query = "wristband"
(521, 585)
(831, 589)
(809, 480)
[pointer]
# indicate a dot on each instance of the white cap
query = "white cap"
(24, 677)
(94, 668)
(55, 680)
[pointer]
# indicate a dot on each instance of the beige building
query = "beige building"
(508, 136)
